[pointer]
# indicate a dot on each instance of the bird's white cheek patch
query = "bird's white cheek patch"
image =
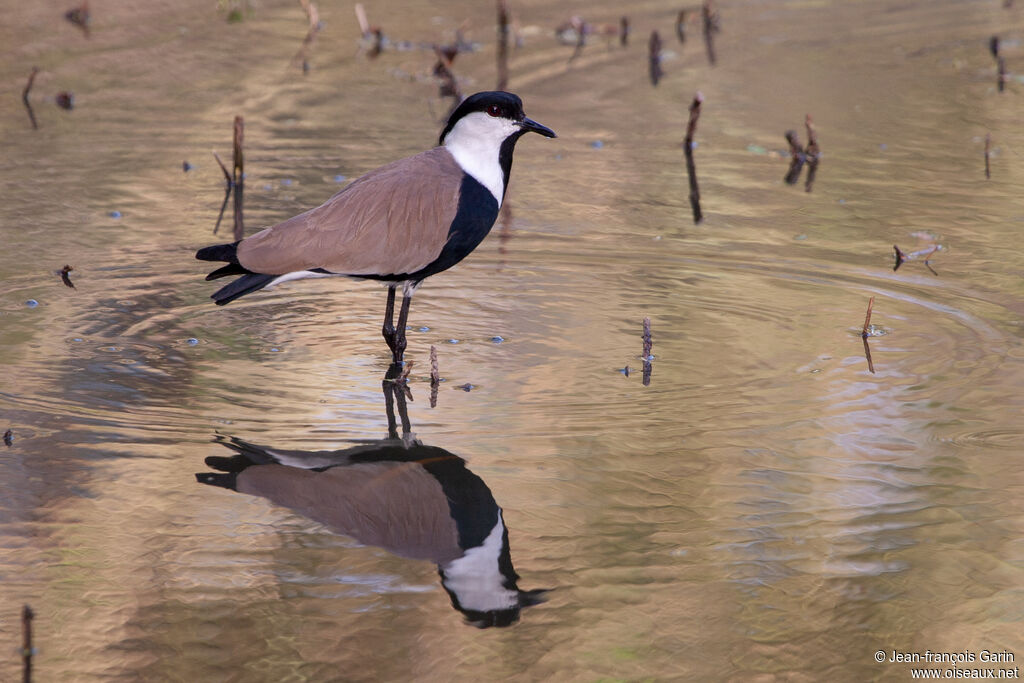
(475, 142)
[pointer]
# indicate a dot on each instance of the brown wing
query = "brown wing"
(396, 506)
(390, 221)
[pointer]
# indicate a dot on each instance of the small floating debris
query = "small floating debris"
(114, 214)
(80, 17)
(466, 387)
(453, 341)
(287, 182)
(497, 339)
(65, 278)
(597, 144)
(191, 341)
(31, 303)
(424, 329)
(625, 371)
(186, 166)
(9, 438)
(65, 100)
(339, 178)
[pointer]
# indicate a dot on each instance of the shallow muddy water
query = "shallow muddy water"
(766, 509)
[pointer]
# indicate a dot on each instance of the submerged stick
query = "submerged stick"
(654, 58)
(865, 333)
(647, 352)
(710, 21)
(681, 26)
(65, 278)
(993, 47)
(238, 179)
(624, 31)
(26, 643)
(228, 186)
(24, 97)
(502, 45)
(435, 377)
(449, 86)
(988, 148)
(797, 158)
(313, 15)
(812, 152)
(691, 168)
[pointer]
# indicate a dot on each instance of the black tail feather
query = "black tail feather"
(230, 269)
(219, 252)
(240, 287)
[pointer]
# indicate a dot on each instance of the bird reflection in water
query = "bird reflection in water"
(413, 500)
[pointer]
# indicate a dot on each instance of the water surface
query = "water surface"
(765, 509)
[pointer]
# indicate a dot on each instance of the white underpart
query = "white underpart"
(297, 275)
(475, 142)
(476, 579)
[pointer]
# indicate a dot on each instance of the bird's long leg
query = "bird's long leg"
(388, 330)
(403, 316)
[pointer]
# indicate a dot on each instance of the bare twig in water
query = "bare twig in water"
(26, 643)
(313, 15)
(624, 31)
(866, 330)
(239, 176)
(797, 158)
(654, 58)
(65, 278)
(435, 377)
(681, 26)
(812, 152)
(711, 24)
(80, 16)
(24, 97)
(229, 184)
(993, 47)
(449, 86)
(988, 150)
(691, 168)
(502, 45)
(648, 343)
(581, 37)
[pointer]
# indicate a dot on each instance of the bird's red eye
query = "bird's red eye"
(494, 110)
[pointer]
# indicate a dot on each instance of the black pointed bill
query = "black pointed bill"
(529, 125)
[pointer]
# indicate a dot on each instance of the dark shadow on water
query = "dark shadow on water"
(413, 500)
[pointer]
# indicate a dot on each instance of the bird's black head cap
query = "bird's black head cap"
(499, 104)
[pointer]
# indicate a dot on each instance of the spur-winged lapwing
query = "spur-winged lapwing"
(397, 224)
